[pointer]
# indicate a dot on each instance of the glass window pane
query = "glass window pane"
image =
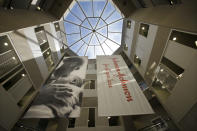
(108, 10)
(72, 18)
(98, 7)
(115, 16)
(94, 40)
(84, 31)
(82, 50)
(72, 38)
(77, 11)
(86, 24)
(112, 45)
(98, 50)
(101, 23)
(106, 49)
(90, 52)
(93, 22)
(101, 38)
(116, 37)
(116, 27)
(77, 46)
(87, 38)
(87, 8)
(70, 28)
(103, 31)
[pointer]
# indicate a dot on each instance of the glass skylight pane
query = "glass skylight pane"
(93, 22)
(116, 27)
(115, 37)
(70, 28)
(86, 24)
(101, 23)
(90, 52)
(106, 49)
(115, 16)
(101, 38)
(72, 18)
(98, 7)
(108, 10)
(72, 39)
(77, 11)
(82, 50)
(77, 46)
(87, 8)
(112, 45)
(94, 40)
(89, 33)
(87, 38)
(84, 31)
(103, 31)
(98, 50)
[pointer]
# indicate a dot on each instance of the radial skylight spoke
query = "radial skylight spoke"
(77, 46)
(77, 24)
(93, 27)
(94, 40)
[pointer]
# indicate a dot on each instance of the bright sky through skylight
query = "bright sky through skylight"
(93, 27)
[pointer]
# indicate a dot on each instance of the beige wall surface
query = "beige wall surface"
(181, 16)
(18, 18)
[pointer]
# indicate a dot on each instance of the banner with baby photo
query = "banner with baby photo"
(61, 96)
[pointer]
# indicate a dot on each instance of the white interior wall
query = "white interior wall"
(144, 47)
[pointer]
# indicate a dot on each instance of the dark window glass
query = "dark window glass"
(5, 44)
(91, 120)
(57, 26)
(172, 66)
(144, 29)
(92, 84)
(186, 39)
(44, 46)
(114, 121)
(14, 80)
(71, 123)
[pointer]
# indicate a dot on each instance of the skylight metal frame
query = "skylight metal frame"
(91, 33)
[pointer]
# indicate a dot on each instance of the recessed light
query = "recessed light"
(56, 26)
(48, 53)
(108, 117)
(23, 75)
(196, 42)
(143, 28)
(174, 38)
(5, 44)
(161, 70)
(13, 58)
(38, 8)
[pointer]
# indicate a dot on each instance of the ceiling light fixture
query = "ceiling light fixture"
(143, 28)
(6, 44)
(13, 58)
(174, 38)
(196, 42)
(161, 70)
(108, 117)
(48, 53)
(22, 75)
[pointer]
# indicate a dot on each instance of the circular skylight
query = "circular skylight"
(93, 27)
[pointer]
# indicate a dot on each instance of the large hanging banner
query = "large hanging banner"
(118, 92)
(61, 96)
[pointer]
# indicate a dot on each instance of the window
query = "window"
(91, 119)
(185, 39)
(44, 46)
(71, 123)
(93, 28)
(144, 29)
